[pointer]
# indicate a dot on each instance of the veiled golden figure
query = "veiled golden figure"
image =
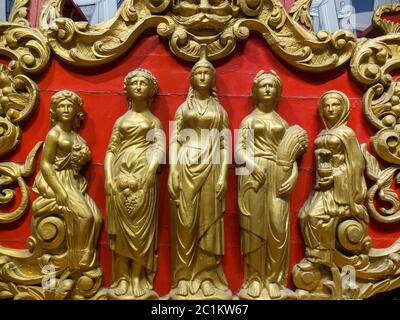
(134, 153)
(340, 186)
(197, 187)
(333, 219)
(268, 148)
(62, 189)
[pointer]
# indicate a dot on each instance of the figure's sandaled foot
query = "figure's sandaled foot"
(137, 288)
(254, 289)
(274, 291)
(122, 288)
(182, 288)
(207, 288)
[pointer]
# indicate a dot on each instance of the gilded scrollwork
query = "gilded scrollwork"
(381, 189)
(11, 173)
(188, 25)
(26, 47)
(19, 12)
(28, 52)
(387, 26)
(381, 105)
(19, 96)
(382, 109)
(301, 12)
(374, 59)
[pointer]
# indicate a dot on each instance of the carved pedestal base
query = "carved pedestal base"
(218, 295)
(148, 295)
(285, 294)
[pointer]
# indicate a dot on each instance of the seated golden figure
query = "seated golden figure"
(333, 220)
(268, 149)
(197, 187)
(136, 148)
(62, 188)
(340, 186)
(61, 262)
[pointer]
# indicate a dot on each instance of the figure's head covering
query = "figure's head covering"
(344, 101)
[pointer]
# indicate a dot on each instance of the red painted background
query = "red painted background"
(102, 92)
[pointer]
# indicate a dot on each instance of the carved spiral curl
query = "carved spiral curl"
(89, 283)
(381, 189)
(11, 172)
(353, 236)
(9, 135)
(51, 232)
(157, 6)
(374, 59)
(251, 8)
(26, 46)
(306, 276)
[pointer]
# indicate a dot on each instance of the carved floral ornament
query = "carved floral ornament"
(187, 25)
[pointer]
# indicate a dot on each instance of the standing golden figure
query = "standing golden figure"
(197, 186)
(62, 189)
(268, 148)
(136, 148)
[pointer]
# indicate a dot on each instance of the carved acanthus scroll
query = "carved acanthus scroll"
(387, 26)
(19, 12)
(19, 96)
(372, 65)
(301, 12)
(187, 26)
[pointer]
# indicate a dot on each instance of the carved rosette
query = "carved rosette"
(187, 26)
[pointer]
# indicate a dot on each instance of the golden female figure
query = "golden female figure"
(268, 149)
(333, 220)
(134, 153)
(197, 186)
(340, 186)
(61, 187)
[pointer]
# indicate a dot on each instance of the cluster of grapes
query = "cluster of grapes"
(131, 203)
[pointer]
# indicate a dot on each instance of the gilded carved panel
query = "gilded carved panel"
(66, 222)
